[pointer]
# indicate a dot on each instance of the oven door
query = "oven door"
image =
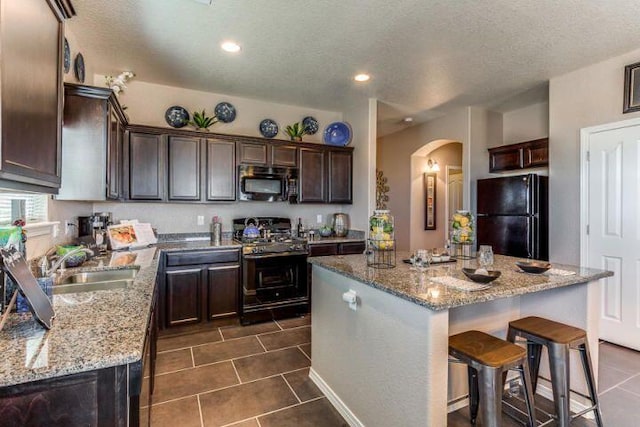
(274, 280)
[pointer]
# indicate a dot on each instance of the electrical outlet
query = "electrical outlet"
(200, 219)
(319, 218)
(55, 231)
(68, 228)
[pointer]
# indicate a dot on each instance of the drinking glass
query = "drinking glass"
(485, 256)
(422, 259)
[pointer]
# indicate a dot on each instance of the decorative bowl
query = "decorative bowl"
(310, 124)
(177, 116)
(225, 112)
(535, 267)
(337, 133)
(325, 231)
(268, 128)
(481, 277)
(74, 260)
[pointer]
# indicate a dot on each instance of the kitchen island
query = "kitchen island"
(386, 363)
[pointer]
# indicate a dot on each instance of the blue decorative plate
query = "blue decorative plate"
(337, 133)
(79, 67)
(225, 112)
(310, 124)
(177, 116)
(67, 56)
(268, 128)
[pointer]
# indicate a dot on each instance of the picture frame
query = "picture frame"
(430, 185)
(631, 88)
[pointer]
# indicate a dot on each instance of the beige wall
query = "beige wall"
(447, 155)
(75, 46)
(393, 157)
(586, 97)
(485, 128)
(525, 124)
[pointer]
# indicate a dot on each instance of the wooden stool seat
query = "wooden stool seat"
(485, 349)
(548, 329)
(488, 359)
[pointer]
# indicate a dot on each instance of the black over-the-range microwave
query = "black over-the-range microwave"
(267, 184)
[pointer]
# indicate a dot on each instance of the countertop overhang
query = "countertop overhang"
(419, 289)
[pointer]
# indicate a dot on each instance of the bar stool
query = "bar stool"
(487, 358)
(559, 339)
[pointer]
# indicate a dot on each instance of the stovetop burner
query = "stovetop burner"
(276, 237)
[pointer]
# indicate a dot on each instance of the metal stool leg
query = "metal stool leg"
(491, 396)
(528, 393)
(534, 351)
(588, 373)
(474, 394)
(559, 364)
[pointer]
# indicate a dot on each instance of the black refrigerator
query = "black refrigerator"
(512, 215)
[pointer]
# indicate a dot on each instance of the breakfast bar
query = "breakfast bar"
(386, 362)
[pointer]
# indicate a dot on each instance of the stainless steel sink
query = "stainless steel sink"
(101, 276)
(96, 281)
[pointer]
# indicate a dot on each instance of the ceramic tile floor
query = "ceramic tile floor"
(257, 376)
(240, 376)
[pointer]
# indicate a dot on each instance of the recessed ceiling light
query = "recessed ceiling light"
(230, 46)
(362, 77)
(407, 119)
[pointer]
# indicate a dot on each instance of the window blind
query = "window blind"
(35, 206)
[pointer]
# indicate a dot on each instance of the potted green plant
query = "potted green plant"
(296, 131)
(202, 121)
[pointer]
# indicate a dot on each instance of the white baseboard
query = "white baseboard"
(337, 403)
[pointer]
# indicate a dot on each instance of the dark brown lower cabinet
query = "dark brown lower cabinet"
(184, 295)
(199, 286)
(105, 397)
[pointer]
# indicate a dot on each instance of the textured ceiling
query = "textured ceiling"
(425, 56)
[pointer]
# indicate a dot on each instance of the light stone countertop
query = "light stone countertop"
(334, 239)
(419, 289)
(92, 330)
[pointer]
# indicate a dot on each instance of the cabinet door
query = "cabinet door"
(505, 159)
(147, 165)
(224, 283)
(536, 153)
(312, 188)
(323, 249)
(115, 139)
(31, 91)
(184, 168)
(340, 176)
(255, 153)
(350, 248)
(184, 295)
(221, 170)
(284, 155)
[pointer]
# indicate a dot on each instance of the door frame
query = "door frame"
(585, 135)
(446, 196)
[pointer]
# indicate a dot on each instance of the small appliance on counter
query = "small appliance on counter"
(95, 226)
(341, 224)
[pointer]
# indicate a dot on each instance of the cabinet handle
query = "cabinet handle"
(226, 267)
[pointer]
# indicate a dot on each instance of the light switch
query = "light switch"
(200, 219)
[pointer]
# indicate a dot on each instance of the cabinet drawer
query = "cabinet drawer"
(350, 248)
(323, 249)
(202, 257)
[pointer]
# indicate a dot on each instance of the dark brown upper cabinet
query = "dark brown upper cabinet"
(92, 144)
(312, 176)
(31, 93)
(221, 170)
(267, 153)
(147, 156)
(184, 168)
(340, 173)
(523, 155)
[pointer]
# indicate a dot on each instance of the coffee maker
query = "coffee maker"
(95, 226)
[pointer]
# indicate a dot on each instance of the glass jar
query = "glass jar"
(463, 228)
(381, 230)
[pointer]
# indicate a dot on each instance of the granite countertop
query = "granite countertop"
(420, 289)
(92, 330)
(334, 239)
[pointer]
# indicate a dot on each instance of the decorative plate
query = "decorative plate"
(337, 133)
(67, 56)
(268, 128)
(310, 124)
(534, 267)
(225, 112)
(177, 116)
(79, 67)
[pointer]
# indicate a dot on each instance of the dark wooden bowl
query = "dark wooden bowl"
(535, 267)
(481, 278)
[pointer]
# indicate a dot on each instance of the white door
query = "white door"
(454, 192)
(614, 229)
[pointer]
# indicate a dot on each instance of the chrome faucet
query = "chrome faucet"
(45, 270)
